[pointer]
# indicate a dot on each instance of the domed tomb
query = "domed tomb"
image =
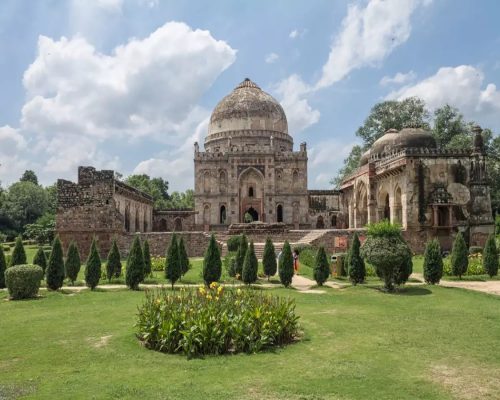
(394, 140)
(248, 119)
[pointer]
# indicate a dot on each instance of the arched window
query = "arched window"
(127, 218)
(334, 221)
(206, 214)
(320, 223)
(279, 213)
(295, 180)
(178, 224)
(250, 191)
(222, 182)
(137, 226)
(222, 217)
(206, 182)
(163, 225)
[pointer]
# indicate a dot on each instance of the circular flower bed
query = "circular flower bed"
(215, 320)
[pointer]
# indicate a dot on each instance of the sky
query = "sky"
(129, 85)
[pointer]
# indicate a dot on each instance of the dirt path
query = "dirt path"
(491, 287)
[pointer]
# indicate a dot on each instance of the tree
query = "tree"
(172, 262)
(40, 259)
(403, 271)
(450, 129)
(269, 259)
(155, 187)
(355, 264)
(250, 266)
(43, 230)
(183, 257)
(147, 259)
(29, 176)
(55, 266)
(433, 262)
(350, 165)
(212, 264)
(73, 262)
(459, 256)
(93, 267)
(3, 267)
(321, 267)
(240, 255)
(135, 265)
(114, 264)
(181, 200)
(490, 257)
(285, 269)
(18, 254)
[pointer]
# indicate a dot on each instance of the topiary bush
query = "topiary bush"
(23, 281)
(147, 259)
(40, 259)
(55, 266)
(135, 265)
(240, 256)
(233, 243)
(228, 262)
(212, 264)
(403, 271)
(73, 262)
(173, 265)
(3, 267)
(269, 259)
(355, 264)
(285, 269)
(459, 256)
(93, 266)
(183, 257)
(114, 263)
(490, 257)
(250, 266)
(433, 262)
(215, 320)
(18, 256)
(321, 267)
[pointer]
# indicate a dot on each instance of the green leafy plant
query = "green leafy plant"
(40, 259)
(321, 267)
(269, 259)
(55, 266)
(285, 268)
(355, 264)
(250, 266)
(23, 281)
(212, 264)
(433, 262)
(3, 267)
(490, 257)
(183, 257)
(233, 243)
(403, 271)
(73, 263)
(114, 263)
(158, 263)
(147, 259)
(93, 266)
(459, 256)
(240, 256)
(215, 320)
(135, 265)
(383, 228)
(18, 256)
(173, 266)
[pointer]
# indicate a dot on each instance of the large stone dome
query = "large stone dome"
(394, 140)
(248, 117)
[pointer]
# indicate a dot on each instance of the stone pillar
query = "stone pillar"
(392, 210)
(350, 222)
(435, 212)
(372, 212)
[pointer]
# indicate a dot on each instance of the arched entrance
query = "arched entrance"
(279, 213)
(251, 215)
(222, 217)
(251, 194)
(163, 225)
(320, 223)
(178, 224)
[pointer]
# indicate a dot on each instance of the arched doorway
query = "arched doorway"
(222, 216)
(279, 213)
(387, 208)
(383, 205)
(320, 223)
(398, 207)
(251, 193)
(178, 224)
(361, 206)
(251, 215)
(206, 214)
(127, 218)
(137, 225)
(334, 221)
(163, 225)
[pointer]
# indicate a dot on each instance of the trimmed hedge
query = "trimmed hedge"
(233, 243)
(23, 281)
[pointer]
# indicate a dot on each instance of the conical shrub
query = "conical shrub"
(183, 257)
(147, 259)
(40, 259)
(55, 266)
(433, 262)
(250, 266)
(93, 267)
(269, 259)
(114, 264)
(172, 262)
(240, 256)
(490, 257)
(73, 262)
(355, 263)
(459, 256)
(3, 267)
(135, 265)
(212, 264)
(321, 267)
(18, 254)
(285, 268)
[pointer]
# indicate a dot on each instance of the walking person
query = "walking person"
(296, 261)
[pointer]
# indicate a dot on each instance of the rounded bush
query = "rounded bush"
(233, 243)
(23, 281)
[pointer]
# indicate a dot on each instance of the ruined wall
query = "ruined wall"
(174, 220)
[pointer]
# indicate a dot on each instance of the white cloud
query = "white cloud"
(272, 58)
(462, 87)
(398, 79)
(368, 35)
(12, 147)
(296, 33)
(293, 93)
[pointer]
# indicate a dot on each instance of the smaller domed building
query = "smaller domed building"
(404, 177)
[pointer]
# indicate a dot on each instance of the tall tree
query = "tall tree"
(285, 268)
(155, 187)
(183, 257)
(55, 266)
(23, 203)
(3, 267)
(212, 264)
(180, 200)
(114, 263)
(250, 266)
(269, 259)
(490, 257)
(433, 262)
(321, 267)
(356, 265)
(135, 265)
(73, 262)
(459, 256)
(147, 259)
(18, 254)
(93, 266)
(40, 259)
(240, 255)
(29, 176)
(350, 165)
(172, 262)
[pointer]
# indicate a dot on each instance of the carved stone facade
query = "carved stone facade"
(431, 192)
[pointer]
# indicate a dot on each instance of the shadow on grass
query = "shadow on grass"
(403, 291)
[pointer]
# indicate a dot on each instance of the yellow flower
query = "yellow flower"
(219, 290)
(158, 301)
(216, 298)
(201, 290)
(213, 285)
(209, 296)
(238, 291)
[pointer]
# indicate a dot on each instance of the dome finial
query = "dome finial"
(247, 83)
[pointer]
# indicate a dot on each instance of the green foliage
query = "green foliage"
(18, 254)
(497, 225)
(475, 250)
(269, 259)
(433, 262)
(355, 264)
(240, 256)
(147, 259)
(285, 268)
(23, 281)
(180, 200)
(212, 264)
(474, 268)
(157, 188)
(40, 259)
(383, 229)
(114, 263)
(183, 257)
(29, 176)
(233, 243)
(321, 267)
(43, 230)
(73, 262)
(490, 257)
(135, 265)
(307, 255)
(228, 262)
(55, 266)
(158, 263)
(3, 267)
(93, 266)
(459, 256)
(351, 163)
(216, 321)
(173, 269)
(250, 266)
(403, 271)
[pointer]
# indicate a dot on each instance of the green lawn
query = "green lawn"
(423, 343)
